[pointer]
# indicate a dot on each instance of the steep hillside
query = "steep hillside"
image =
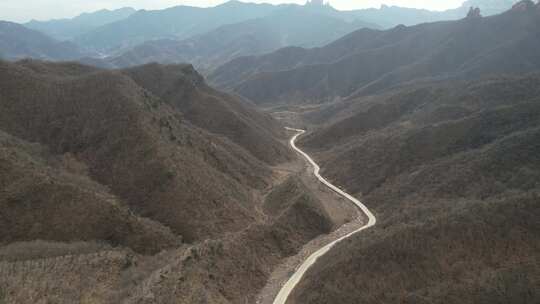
(230, 269)
(48, 197)
(238, 70)
(443, 119)
(422, 104)
(289, 26)
(129, 140)
(380, 60)
(69, 28)
(105, 173)
(484, 253)
(18, 42)
(184, 89)
(451, 170)
(234, 268)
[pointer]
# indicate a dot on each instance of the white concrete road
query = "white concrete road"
(286, 290)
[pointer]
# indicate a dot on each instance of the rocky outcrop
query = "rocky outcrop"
(474, 12)
(523, 5)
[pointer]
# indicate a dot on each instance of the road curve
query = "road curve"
(286, 290)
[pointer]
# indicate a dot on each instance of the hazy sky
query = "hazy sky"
(24, 10)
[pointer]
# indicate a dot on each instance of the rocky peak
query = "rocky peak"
(192, 75)
(524, 5)
(474, 12)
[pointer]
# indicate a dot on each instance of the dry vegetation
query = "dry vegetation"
(476, 252)
(147, 186)
(234, 268)
(456, 194)
(227, 115)
(105, 173)
(128, 140)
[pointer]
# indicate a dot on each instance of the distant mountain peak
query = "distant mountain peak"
(317, 3)
(474, 12)
(231, 3)
(489, 7)
(523, 5)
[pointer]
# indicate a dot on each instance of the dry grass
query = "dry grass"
(456, 198)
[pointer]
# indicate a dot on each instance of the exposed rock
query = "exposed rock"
(523, 5)
(474, 12)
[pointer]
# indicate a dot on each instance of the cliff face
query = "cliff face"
(474, 12)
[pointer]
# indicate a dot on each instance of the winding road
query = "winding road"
(286, 290)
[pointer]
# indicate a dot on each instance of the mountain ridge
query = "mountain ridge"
(69, 28)
(18, 42)
(388, 58)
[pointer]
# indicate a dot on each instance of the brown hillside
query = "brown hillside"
(51, 198)
(418, 126)
(185, 90)
(452, 175)
(233, 269)
(139, 147)
(484, 253)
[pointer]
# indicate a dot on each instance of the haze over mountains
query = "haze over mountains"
(209, 37)
(452, 171)
(152, 184)
(391, 16)
(450, 167)
(66, 29)
(308, 26)
(18, 42)
(368, 61)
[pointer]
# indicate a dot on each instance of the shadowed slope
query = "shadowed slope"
(184, 89)
(134, 143)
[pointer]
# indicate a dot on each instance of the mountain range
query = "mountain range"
(19, 42)
(210, 37)
(451, 171)
(368, 61)
(290, 25)
(391, 16)
(152, 184)
(179, 22)
(69, 28)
